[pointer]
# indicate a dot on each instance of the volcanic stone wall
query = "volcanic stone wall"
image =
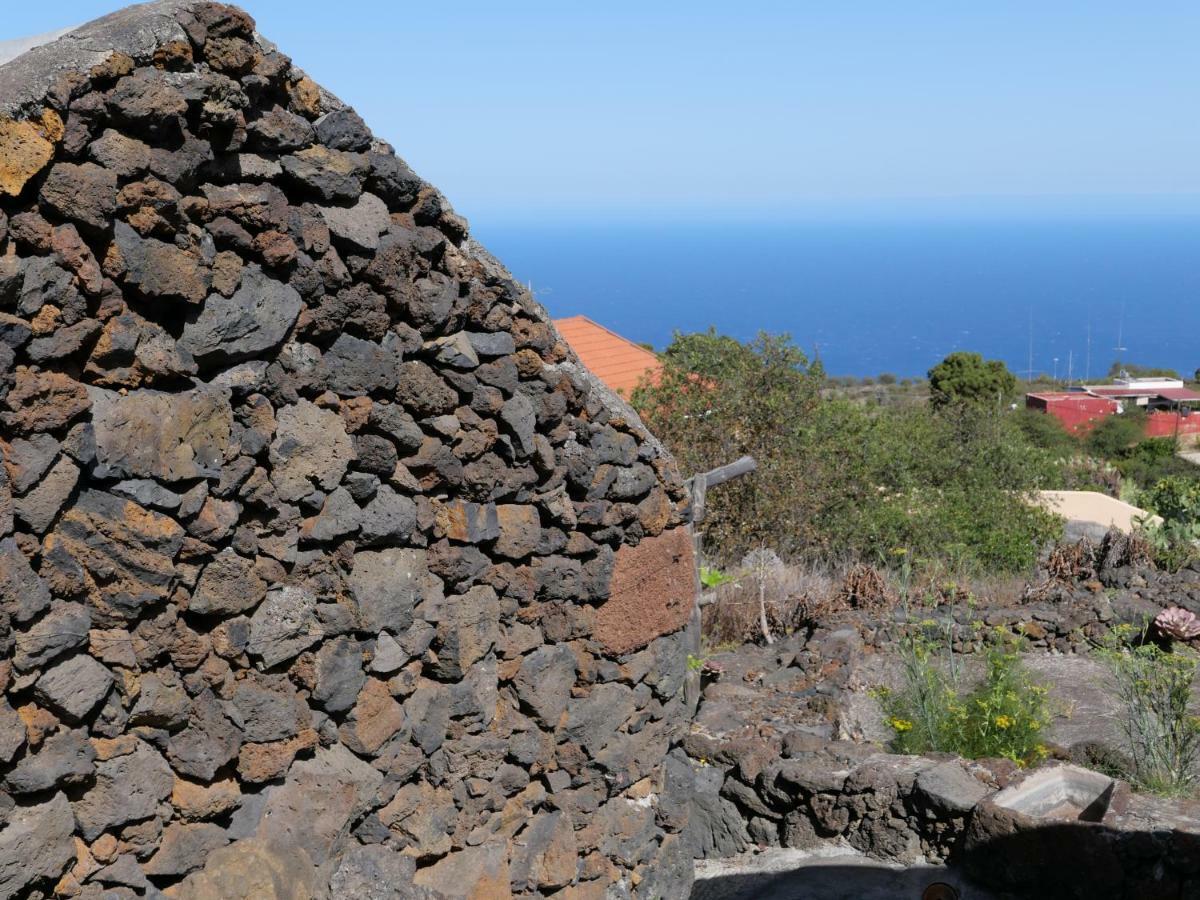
(325, 569)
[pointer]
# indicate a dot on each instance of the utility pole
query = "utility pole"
(1029, 371)
(1087, 373)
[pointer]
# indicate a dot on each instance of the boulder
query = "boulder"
(208, 742)
(23, 595)
(318, 801)
(388, 584)
(284, 624)
(84, 193)
(311, 446)
(162, 271)
(358, 226)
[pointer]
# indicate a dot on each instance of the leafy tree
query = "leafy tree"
(718, 399)
(967, 378)
(887, 378)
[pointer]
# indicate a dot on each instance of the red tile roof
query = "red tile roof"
(617, 361)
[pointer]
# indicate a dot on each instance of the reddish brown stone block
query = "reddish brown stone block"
(653, 592)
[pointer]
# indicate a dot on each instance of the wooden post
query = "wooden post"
(698, 486)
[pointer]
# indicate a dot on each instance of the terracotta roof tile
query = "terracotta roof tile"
(615, 360)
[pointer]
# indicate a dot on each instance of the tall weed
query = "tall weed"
(1155, 687)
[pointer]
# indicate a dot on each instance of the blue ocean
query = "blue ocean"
(887, 295)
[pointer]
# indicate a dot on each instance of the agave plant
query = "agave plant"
(1177, 623)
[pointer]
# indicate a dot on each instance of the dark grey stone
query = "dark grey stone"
(63, 758)
(388, 584)
(592, 721)
(255, 319)
(329, 174)
(208, 742)
(74, 687)
(40, 507)
(23, 594)
(492, 343)
(147, 492)
(45, 282)
(127, 788)
(340, 675)
(228, 585)
(162, 702)
(343, 129)
(31, 458)
(268, 708)
(353, 367)
(339, 517)
(37, 842)
(360, 225)
(518, 415)
(544, 682)
(63, 628)
(388, 517)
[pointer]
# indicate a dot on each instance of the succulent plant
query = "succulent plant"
(1177, 623)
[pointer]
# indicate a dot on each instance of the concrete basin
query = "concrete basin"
(1062, 793)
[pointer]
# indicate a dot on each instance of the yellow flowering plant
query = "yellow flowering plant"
(1003, 716)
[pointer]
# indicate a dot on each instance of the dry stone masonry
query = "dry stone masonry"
(325, 569)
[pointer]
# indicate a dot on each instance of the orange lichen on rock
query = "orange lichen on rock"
(26, 148)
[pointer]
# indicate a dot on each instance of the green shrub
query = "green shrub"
(1155, 688)
(1115, 435)
(1175, 499)
(1047, 432)
(1003, 716)
(840, 478)
(1134, 370)
(712, 577)
(1152, 460)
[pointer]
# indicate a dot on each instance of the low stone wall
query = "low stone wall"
(907, 809)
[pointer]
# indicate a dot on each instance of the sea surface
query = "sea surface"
(890, 295)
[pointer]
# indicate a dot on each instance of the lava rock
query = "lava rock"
(74, 687)
(128, 788)
(84, 193)
(255, 319)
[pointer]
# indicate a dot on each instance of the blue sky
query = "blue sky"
(696, 110)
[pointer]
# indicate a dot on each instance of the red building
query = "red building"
(1077, 411)
(1170, 405)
